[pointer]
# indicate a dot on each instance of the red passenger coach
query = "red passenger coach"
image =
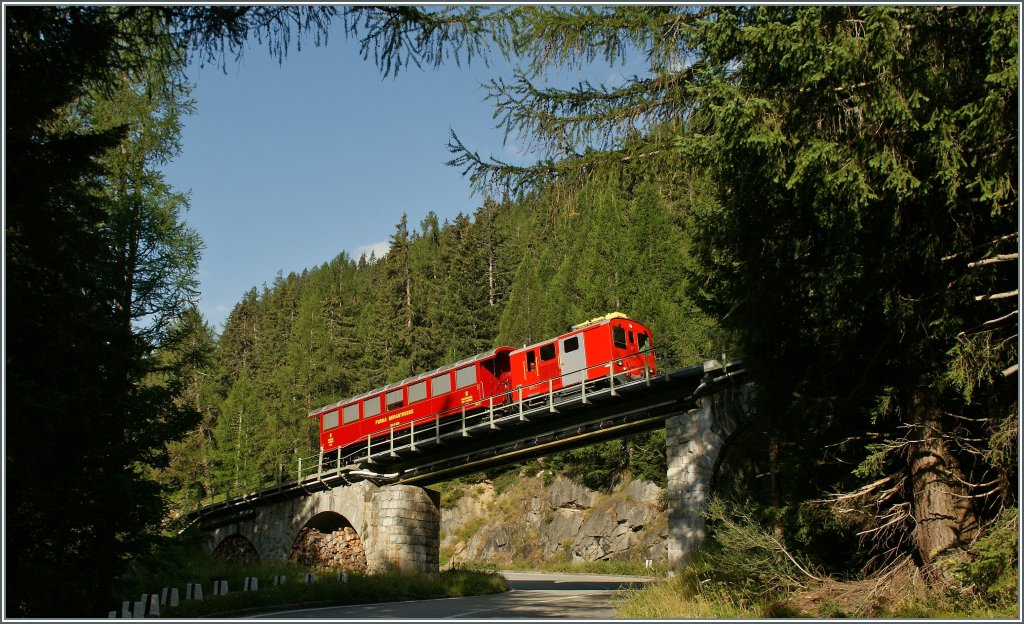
(440, 393)
(608, 345)
(611, 346)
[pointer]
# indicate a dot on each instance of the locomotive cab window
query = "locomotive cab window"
(465, 376)
(571, 344)
(531, 360)
(418, 391)
(631, 341)
(371, 407)
(394, 399)
(619, 337)
(547, 352)
(442, 384)
(350, 413)
(330, 420)
(641, 341)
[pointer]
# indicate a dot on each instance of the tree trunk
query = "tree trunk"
(942, 510)
(775, 471)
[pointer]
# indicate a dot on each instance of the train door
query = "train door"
(547, 366)
(573, 360)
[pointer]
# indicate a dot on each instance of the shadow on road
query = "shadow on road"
(556, 585)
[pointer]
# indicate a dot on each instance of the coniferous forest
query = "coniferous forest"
(829, 192)
(512, 273)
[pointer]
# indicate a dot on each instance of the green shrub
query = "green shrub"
(991, 570)
(746, 558)
(451, 492)
(504, 481)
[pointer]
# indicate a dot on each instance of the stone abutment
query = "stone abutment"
(694, 441)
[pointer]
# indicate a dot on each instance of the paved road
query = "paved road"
(533, 596)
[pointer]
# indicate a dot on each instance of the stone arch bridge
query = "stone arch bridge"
(398, 525)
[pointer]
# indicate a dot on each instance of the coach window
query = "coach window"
(631, 340)
(465, 376)
(330, 420)
(394, 399)
(619, 337)
(442, 384)
(418, 391)
(641, 341)
(571, 344)
(547, 352)
(371, 407)
(350, 413)
(531, 360)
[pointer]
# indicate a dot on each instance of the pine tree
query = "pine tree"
(78, 344)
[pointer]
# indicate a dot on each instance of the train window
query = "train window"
(371, 407)
(465, 376)
(350, 413)
(417, 392)
(531, 360)
(641, 341)
(330, 420)
(631, 341)
(394, 399)
(571, 344)
(619, 337)
(547, 352)
(442, 384)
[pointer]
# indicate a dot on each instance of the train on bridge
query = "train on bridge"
(611, 346)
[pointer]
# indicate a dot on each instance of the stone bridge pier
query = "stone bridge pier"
(399, 525)
(694, 442)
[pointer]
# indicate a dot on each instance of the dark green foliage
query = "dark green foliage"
(743, 561)
(847, 191)
(83, 411)
(597, 466)
(993, 567)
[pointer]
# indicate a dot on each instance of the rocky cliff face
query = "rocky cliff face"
(561, 521)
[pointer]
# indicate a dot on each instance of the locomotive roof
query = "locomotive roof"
(576, 329)
(398, 384)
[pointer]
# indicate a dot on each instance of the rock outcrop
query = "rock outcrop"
(561, 521)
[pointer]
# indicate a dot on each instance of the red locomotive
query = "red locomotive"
(608, 345)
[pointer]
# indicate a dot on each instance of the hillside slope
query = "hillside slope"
(536, 518)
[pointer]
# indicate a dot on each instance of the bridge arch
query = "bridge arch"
(329, 540)
(236, 548)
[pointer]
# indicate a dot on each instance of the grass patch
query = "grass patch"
(617, 568)
(178, 560)
(470, 528)
(330, 591)
(669, 599)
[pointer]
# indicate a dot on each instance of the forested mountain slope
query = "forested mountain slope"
(513, 273)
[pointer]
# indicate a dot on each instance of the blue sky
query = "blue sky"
(288, 165)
